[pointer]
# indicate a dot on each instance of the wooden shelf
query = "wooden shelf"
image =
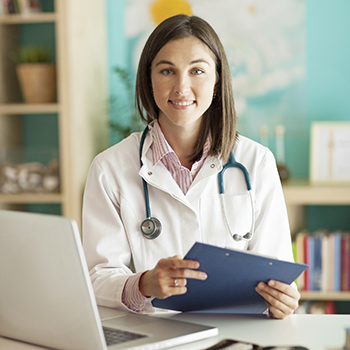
(302, 193)
(44, 17)
(23, 198)
(82, 127)
(316, 295)
(23, 108)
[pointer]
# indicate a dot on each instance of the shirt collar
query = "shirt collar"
(160, 146)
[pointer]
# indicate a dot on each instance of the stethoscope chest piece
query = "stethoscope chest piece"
(151, 228)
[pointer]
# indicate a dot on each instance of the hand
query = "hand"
(281, 298)
(160, 281)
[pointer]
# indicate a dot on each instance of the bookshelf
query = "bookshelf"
(82, 94)
(300, 193)
(335, 296)
(48, 17)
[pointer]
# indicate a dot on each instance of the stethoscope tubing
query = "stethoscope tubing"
(144, 183)
(231, 163)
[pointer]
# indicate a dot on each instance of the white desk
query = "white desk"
(316, 332)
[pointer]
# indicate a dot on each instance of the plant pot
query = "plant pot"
(38, 82)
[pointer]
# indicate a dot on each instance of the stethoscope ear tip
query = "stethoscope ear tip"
(247, 237)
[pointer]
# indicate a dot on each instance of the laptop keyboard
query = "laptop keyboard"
(117, 336)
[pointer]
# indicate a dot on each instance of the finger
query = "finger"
(187, 273)
(276, 308)
(275, 312)
(284, 288)
(279, 296)
(178, 263)
(282, 292)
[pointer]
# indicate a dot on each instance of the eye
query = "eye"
(197, 71)
(166, 71)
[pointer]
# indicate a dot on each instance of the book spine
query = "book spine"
(306, 259)
(311, 261)
(337, 261)
(345, 263)
(300, 257)
(326, 263)
(317, 255)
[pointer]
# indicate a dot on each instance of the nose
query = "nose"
(182, 85)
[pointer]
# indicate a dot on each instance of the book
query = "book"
(317, 262)
(327, 262)
(345, 263)
(337, 262)
(232, 278)
(300, 256)
(328, 255)
(20, 6)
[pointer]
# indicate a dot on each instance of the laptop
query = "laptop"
(47, 299)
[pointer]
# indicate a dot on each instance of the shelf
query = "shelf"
(31, 198)
(313, 295)
(76, 149)
(22, 108)
(44, 17)
(302, 193)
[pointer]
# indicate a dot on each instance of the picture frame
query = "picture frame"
(330, 153)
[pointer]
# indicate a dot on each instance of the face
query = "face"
(183, 76)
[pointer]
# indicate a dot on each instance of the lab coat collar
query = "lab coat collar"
(158, 176)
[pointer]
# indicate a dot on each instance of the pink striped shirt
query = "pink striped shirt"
(162, 152)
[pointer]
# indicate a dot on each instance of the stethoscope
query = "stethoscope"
(152, 227)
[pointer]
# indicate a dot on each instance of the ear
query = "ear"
(216, 88)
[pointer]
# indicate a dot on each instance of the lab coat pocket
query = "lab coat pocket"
(239, 218)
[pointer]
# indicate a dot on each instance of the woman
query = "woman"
(184, 93)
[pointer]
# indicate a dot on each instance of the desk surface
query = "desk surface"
(316, 332)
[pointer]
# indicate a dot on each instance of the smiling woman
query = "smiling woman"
(173, 40)
(184, 93)
(183, 81)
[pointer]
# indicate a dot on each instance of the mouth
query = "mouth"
(182, 103)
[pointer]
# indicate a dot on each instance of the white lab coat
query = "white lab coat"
(114, 208)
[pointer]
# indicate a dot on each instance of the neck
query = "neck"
(182, 140)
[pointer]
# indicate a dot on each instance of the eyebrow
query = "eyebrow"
(200, 60)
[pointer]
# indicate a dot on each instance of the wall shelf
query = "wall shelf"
(316, 295)
(23, 108)
(300, 192)
(25, 198)
(44, 17)
(81, 112)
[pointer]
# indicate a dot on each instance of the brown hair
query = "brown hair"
(220, 118)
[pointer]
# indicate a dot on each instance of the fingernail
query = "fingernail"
(204, 276)
(271, 283)
(261, 285)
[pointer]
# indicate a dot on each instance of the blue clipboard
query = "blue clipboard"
(232, 278)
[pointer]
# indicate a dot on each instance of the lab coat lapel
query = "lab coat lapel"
(158, 176)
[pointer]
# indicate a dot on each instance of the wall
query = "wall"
(328, 84)
(327, 30)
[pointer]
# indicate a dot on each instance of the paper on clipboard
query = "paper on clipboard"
(232, 277)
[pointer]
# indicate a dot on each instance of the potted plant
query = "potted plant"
(124, 119)
(36, 75)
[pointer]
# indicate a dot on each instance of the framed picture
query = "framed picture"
(330, 153)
